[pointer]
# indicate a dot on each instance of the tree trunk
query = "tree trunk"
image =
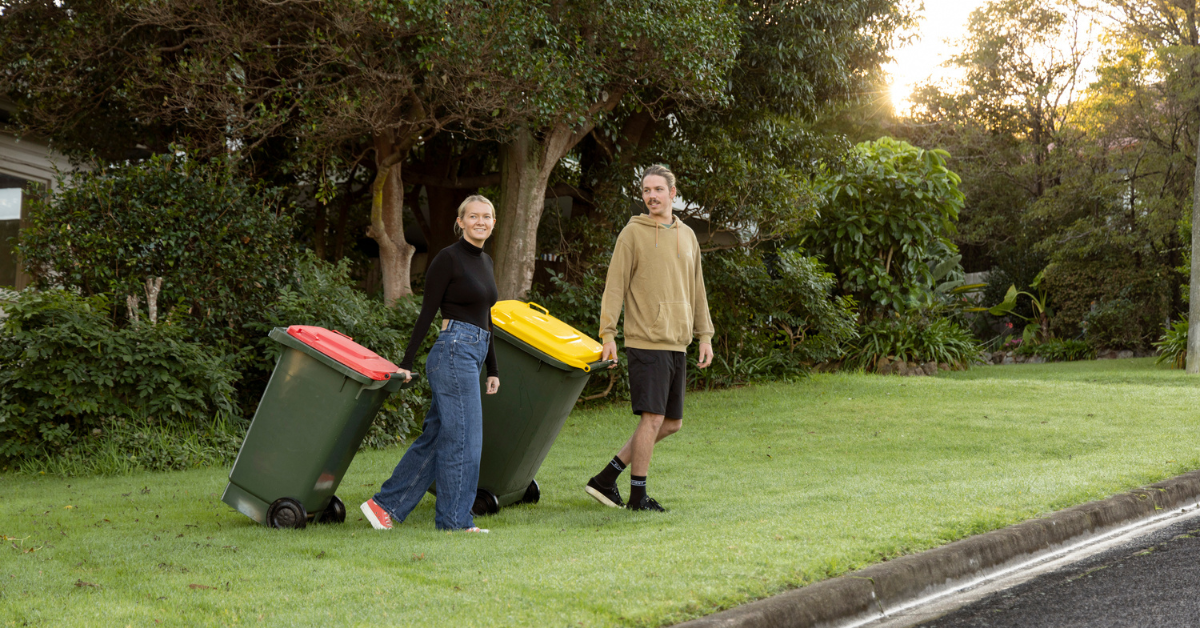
(1193, 342)
(525, 167)
(443, 211)
(440, 163)
(387, 220)
(320, 227)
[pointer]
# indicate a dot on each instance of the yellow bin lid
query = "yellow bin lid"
(533, 324)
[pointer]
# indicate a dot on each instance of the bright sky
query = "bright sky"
(938, 35)
(922, 59)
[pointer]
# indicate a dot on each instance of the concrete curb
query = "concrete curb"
(869, 592)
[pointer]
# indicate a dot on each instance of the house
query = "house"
(26, 167)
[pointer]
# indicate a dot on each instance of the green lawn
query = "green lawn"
(769, 487)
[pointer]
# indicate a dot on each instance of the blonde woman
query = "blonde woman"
(459, 283)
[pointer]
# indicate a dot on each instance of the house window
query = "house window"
(12, 194)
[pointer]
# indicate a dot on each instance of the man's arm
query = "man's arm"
(614, 298)
(701, 321)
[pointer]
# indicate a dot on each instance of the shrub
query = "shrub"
(1096, 296)
(885, 225)
(1120, 324)
(774, 314)
(222, 246)
(915, 337)
(66, 371)
(1058, 350)
(323, 294)
(1172, 346)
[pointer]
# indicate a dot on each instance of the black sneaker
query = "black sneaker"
(607, 495)
(648, 503)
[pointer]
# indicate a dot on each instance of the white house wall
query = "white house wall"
(28, 159)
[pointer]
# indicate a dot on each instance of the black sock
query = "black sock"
(612, 470)
(637, 489)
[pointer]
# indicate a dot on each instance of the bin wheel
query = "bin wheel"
(286, 512)
(485, 503)
(335, 512)
(532, 494)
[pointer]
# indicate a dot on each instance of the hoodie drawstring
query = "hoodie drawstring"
(678, 236)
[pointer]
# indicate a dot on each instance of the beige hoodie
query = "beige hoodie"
(655, 273)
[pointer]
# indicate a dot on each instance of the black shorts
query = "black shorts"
(657, 380)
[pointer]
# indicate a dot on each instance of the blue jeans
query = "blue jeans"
(448, 449)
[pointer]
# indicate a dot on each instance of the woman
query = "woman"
(459, 282)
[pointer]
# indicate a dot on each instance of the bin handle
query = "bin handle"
(596, 366)
(536, 306)
(341, 334)
(411, 376)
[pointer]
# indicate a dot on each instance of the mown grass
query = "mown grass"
(770, 487)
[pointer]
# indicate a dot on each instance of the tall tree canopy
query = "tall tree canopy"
(1089, 182)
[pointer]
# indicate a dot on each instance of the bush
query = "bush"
(1121, 305)
(915, 337)
(1120, 324)
(66, 371)
(774, 314)
(324, 295)
(885, 225)
(1172, 346)
(1058, 350)
(222, 246)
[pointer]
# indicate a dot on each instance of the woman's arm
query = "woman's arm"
(437, 278)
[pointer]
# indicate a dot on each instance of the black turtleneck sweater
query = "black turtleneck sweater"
(459, 281)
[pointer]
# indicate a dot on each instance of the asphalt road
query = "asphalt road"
(1153, 580)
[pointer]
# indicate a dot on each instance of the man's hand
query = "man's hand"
(706, 355)
(493, 385)
(407, 374)
(609, 352)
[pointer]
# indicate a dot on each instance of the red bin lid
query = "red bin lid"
(342, 348)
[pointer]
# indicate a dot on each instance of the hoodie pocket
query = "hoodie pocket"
(674, 323)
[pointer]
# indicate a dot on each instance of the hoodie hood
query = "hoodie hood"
(648, 221)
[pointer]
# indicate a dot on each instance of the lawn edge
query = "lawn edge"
(868, 593)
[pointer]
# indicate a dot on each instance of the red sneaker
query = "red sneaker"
(379, 518)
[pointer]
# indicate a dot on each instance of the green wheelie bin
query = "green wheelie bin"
(318, 406)
(544, 365)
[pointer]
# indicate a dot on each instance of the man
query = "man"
(655, 273)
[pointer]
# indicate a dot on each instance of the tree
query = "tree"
(204, 246)
(745, 167)
(1151, 81)
(1021, 61)
(366, 77)
(1096, 193)
(601, 54)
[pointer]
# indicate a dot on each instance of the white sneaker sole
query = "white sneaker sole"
(598, 496)
(370, 515)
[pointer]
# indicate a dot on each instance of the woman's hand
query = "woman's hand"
(407, 374)
(493, 385)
